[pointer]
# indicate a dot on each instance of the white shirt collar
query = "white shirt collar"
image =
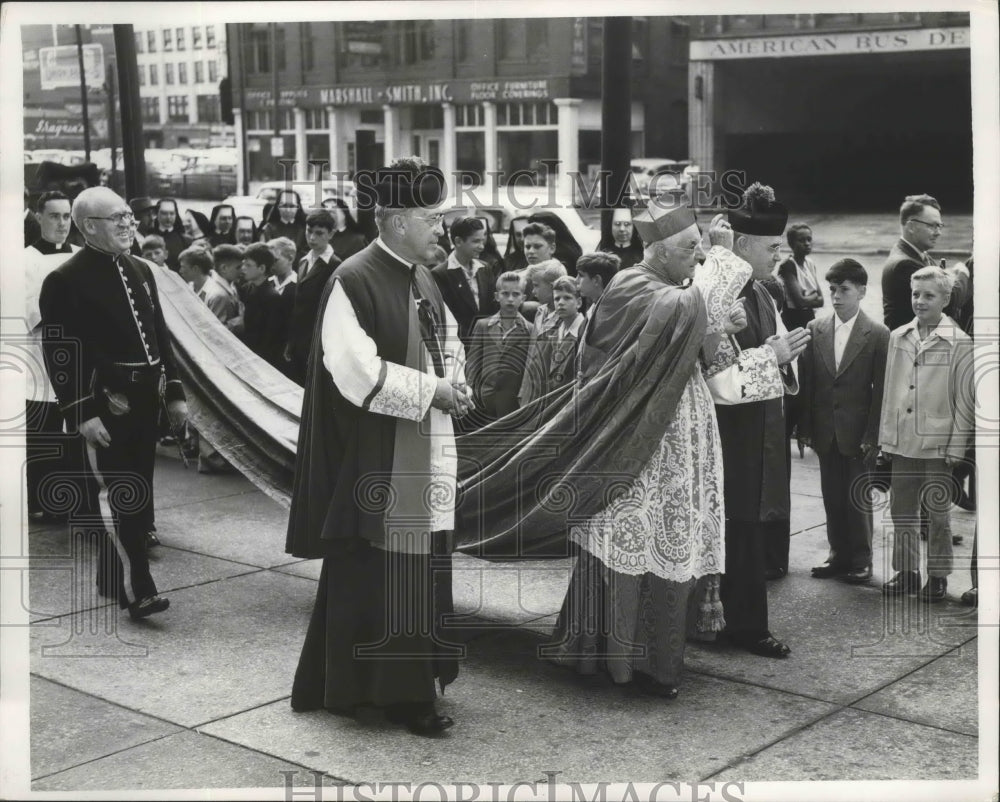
(229, 288)
(291, 278)
(574, 327)
(945, 330)
(325, 256)
(454, 264)
(838, 324)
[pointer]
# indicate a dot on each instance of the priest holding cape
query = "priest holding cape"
(628, 462)
(374, 487)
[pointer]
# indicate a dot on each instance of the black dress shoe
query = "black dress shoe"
(649, 686)
(152, 540)
(935, 589)
(971, 597)
(857, 576)
(147, 607)
(903, 582)
(765, 647)
(828, 570)
(775, 573)
(418, 719)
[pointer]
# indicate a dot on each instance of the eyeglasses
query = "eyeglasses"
(432, 221)
(119, 218)
(935, 226)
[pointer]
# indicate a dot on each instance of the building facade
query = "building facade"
(489, 97)
(836, 110)
(180, 69)
(53, 108)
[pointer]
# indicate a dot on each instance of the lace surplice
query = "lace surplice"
(671, 521)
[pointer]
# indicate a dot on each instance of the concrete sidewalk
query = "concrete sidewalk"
(198, 697)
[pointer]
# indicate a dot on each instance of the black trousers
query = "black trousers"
(46, 450)
(848, 512)
(123, 474)
(375, 634)
(743, 589)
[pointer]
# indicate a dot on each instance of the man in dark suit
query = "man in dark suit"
(841, 375)
(109, 356)
(920, 227)
(315, 269)
(467, 285)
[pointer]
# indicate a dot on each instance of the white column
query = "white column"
(569, 145)
(391, 145)
(448, 146)
(241, 148)
(701, 114)
(333, 120)
(301, 157)
(490, 148)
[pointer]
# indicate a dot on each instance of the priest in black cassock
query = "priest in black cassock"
(374, 487)
(758, 362)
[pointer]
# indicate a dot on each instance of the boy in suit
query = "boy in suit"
(552, 363)
(314, 270)
(927, 423)
(840, 378)
(264, 328)
(594, 272)
(498, 349)
(466, 283)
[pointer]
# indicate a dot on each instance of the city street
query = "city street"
(198, 697)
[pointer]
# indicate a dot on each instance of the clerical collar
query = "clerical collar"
(393, 254)
(112, 254)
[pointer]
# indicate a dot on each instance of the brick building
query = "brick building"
(180, 68)
(481, 95)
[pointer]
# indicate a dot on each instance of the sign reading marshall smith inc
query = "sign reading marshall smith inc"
(457, 91)
(831, 44)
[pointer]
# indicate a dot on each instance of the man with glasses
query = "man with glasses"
(375, 474)
(920, 227)
(108, 353)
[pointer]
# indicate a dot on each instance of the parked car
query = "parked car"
(518, 202)
(267, 193)
(654, 176)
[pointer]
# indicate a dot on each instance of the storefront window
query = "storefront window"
(469, 115)
(524, 151)
(315, 119)
(318, 147)
(470, 153)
